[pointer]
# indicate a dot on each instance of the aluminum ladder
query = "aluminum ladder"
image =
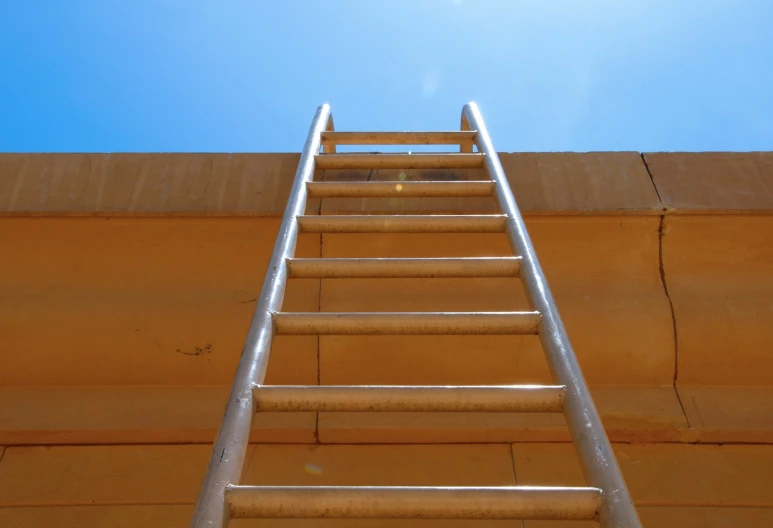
(606, 500)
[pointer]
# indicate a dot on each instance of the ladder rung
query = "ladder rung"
(456, 137)
(399, 161)
(403, 502)
(397, 398)
(406, 323)
(435, 189)
(403, 223)
(369, 268)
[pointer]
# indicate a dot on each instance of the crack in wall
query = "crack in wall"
(511, 448)
(663, 282)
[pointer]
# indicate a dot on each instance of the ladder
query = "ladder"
(222, 498)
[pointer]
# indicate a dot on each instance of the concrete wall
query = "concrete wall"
(131, 279)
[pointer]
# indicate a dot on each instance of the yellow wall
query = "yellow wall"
(130, 280)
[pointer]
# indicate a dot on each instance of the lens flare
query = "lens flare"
(313, 469)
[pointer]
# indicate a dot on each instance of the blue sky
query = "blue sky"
(241, 76)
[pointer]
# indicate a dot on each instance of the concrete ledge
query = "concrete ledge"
(172, 184)
(713, 182)
(259, 184)
(145, 184)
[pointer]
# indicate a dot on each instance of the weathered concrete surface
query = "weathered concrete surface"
(167, 301)
(123, 414)
(714, 182)
(719, 274)
(259, 184)
(137, 184)
(572, 183)
(720, 281)
(141, 301)
(153, 301)
(716, 261)
(125, 328)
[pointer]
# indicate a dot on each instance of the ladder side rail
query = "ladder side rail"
(468, 147)
(593, 447)
(329, 148)
(228, 453)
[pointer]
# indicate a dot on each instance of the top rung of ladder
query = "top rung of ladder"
(457, 137)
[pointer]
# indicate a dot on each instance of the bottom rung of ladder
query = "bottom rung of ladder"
(399, 502)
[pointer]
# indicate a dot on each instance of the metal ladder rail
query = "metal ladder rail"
(396, 502)
(230, 447)
(593, 448)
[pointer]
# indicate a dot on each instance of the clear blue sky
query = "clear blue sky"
(235, 76)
